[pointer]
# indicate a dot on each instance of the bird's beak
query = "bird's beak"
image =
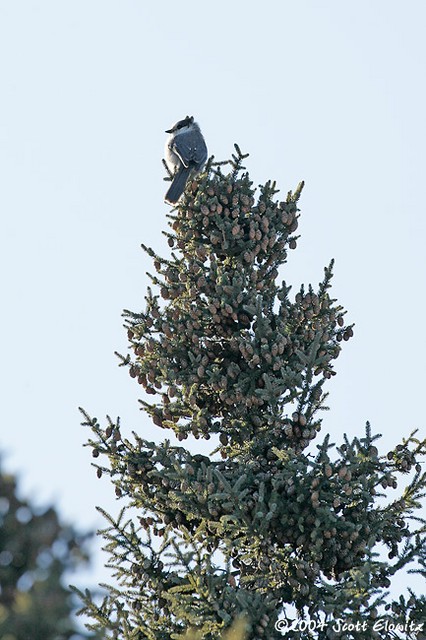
(169, 130)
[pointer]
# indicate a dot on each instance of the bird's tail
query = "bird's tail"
(178, 185)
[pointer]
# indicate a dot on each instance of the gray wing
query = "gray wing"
(188, 152)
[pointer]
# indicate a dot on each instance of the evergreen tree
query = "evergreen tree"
(273, 525)
(36, 552)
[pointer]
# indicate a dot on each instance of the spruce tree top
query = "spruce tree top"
(228, 352)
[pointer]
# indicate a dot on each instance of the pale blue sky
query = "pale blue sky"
(330, 92)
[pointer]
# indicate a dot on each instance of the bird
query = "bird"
(186, 154)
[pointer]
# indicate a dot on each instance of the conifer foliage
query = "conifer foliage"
(272, 517)
(37, 553)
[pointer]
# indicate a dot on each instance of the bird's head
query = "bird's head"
(186, 122)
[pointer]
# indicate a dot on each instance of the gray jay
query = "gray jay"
(186, 153)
